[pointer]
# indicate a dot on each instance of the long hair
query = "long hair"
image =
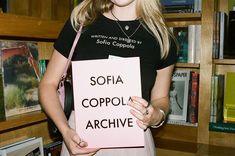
(148, 11)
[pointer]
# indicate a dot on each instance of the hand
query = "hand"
(76, 145)
(143, 111)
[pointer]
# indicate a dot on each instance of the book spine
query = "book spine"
(193, 105)
(177, 2)
(220, 97)
(181, 34)
(215, 98)
(191, 43)
(231, 34)
(222, 35)
(198, 44)
(229, 98)
(2, 106)
(212, 98)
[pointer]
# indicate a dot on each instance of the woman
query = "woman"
(124, 28)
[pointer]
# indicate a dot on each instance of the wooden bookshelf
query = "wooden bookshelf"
(197, 140)
(16, 26)
(203, 141)
(44, 32)
(22, 120)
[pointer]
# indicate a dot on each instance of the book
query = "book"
(100, 101)
(222, 33)
(212, 99)
(193, 97)
(2, 107)
(197, 6)
(222, 127)
(181, 34)
(28, 147)
(191, 43)
(20, 76)
(198, 44)
(216, 35)
(3, 6)
(176, 6)
(231, 35)
(176, 2)
(217, 98)
(229, 98)
(53, 149)
(179, 95)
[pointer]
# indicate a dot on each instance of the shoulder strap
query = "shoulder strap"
(72, 50)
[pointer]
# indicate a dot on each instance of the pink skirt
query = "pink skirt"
(148, 150)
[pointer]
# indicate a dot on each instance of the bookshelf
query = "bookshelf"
(181, 136)
(44, 32)
(172, 137)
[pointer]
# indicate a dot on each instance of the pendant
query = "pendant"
(127, 27)
(128, 40)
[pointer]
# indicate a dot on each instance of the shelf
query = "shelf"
(224, 61)
(195, 148)
(22, 120)
(170, 131)
(182, 16)
(188, 65)
(28, 27)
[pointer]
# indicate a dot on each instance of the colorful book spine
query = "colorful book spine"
(193, 96)
(229, 98)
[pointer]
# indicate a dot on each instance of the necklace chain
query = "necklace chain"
(128, 36)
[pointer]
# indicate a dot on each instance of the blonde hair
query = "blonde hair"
(149, 12)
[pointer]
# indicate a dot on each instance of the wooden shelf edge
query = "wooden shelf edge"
(188, 65)
(224, 61)
(182, 16)
(22, 120)
(193, 147)
(29, 27)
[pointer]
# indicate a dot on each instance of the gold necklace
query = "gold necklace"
(126, 27)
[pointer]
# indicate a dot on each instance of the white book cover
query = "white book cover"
(28, 147)
(102, 89)
(179, 95)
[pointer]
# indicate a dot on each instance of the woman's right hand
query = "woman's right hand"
(76, 145)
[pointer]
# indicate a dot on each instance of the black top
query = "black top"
(104, 38)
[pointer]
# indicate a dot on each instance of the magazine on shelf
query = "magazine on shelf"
(28, 147)
(179, 95)
(20, 71)
(100, 101)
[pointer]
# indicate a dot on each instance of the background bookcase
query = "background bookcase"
(199, 139)
(170, 137)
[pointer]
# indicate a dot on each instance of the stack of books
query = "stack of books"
(181, 6)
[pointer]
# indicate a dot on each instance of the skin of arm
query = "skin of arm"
(159, 100)
(50, 103)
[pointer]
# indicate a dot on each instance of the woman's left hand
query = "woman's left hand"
(143, 111)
